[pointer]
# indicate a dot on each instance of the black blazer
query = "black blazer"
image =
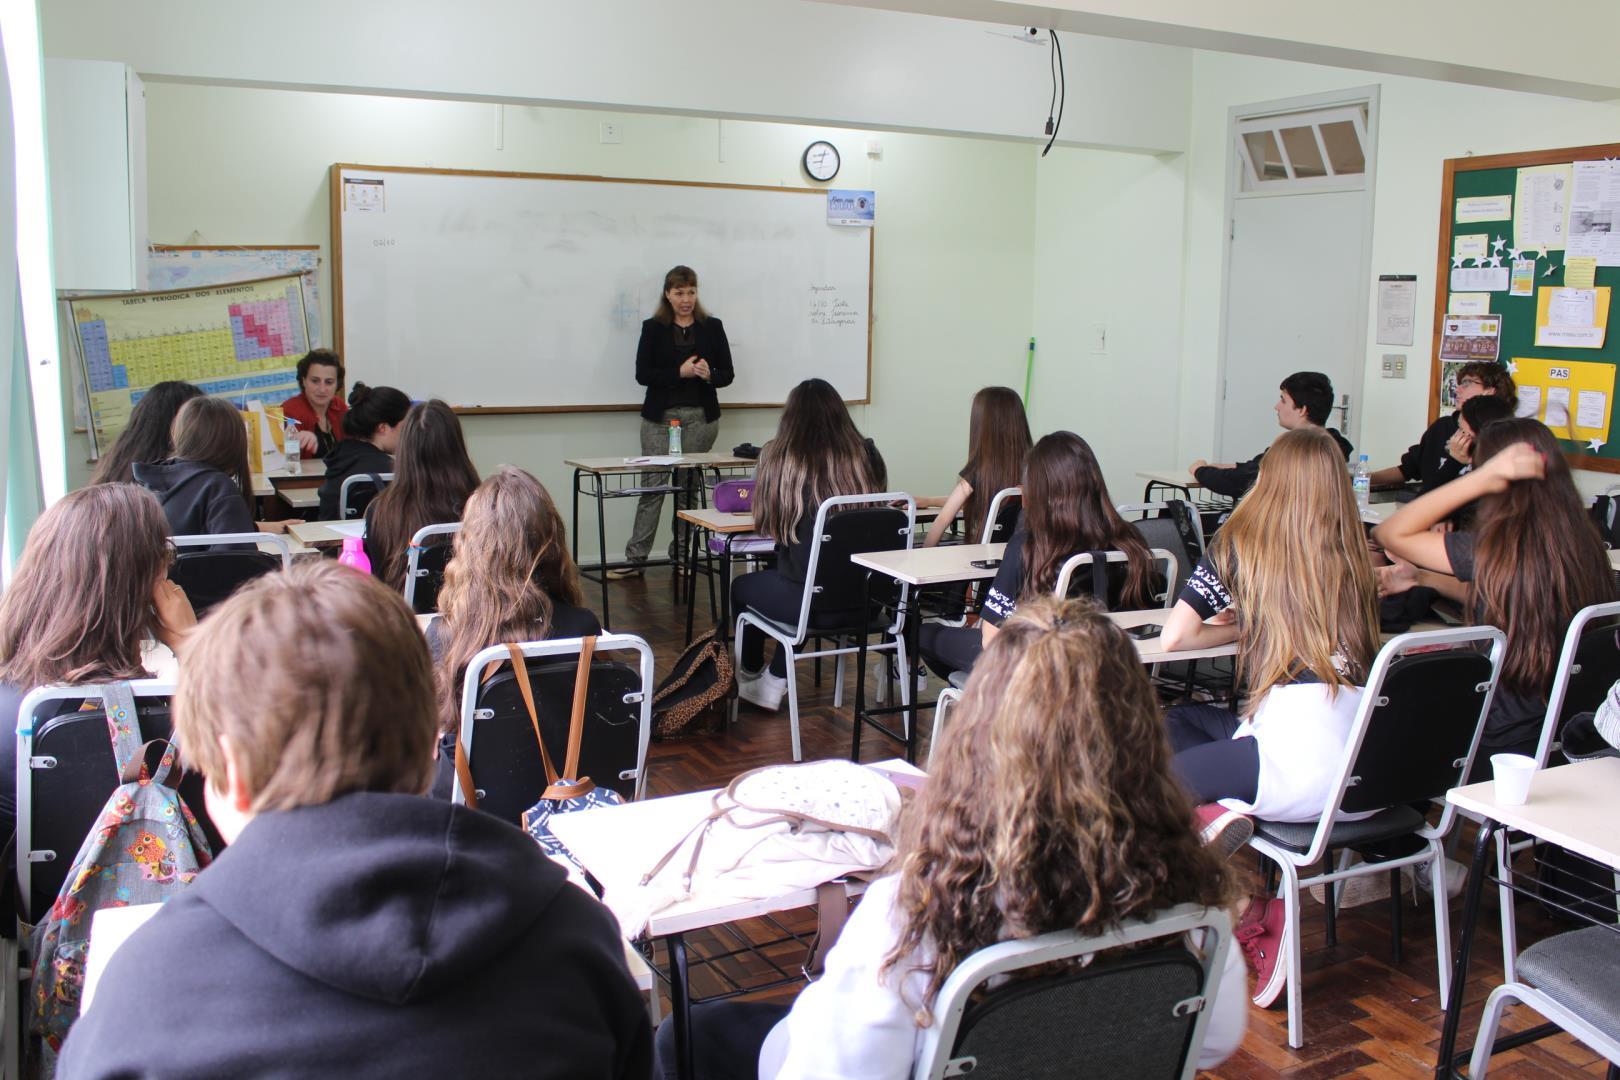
(659, 360)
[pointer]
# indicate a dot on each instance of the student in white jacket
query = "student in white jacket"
(1050, 798)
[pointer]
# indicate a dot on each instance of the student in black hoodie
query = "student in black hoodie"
(207, 487)
(370, 434)
(352, 928)
(1305, 399)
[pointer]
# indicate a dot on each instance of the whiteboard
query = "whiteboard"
(521, 291)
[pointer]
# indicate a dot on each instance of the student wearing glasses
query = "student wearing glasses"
(1430, 462)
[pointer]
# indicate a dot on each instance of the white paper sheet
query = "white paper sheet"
(1594, 212)
(348, 528)
(654, 459)
(1589, 408)
(1541, 207)
(109, 929)
(1529, 401)
(1572, 307)
(1484, 208)
(1397, 311)
(1479, 279)
(1557, 415)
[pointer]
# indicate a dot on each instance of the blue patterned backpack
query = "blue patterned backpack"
(143, 849)
(565, 792)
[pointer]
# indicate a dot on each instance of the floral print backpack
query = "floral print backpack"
(144, 848)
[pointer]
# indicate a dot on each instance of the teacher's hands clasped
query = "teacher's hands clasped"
(695, 367)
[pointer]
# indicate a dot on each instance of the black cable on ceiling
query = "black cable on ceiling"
(1060, 92)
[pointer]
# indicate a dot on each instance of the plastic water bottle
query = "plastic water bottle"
(1361, 481)
(354, 554)
(674, 436)
(289, 444)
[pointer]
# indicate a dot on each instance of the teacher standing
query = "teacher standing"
(682, 359)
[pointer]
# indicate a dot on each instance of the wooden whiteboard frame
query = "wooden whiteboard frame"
(1442, 272)
(336, 198)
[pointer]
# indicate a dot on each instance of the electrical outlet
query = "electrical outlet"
(608, 133)
(1393, 366)
(1400, 368)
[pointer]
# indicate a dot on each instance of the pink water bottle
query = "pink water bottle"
(354, 554)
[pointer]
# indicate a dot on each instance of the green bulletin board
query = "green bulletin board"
(1498, 175)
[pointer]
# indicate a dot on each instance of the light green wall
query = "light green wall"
(953, 276)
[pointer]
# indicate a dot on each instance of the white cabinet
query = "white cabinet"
(95, 128)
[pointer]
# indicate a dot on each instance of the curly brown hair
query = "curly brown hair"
(1051, 804)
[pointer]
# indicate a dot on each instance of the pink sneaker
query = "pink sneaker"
(1223, 831)
(1261, 934)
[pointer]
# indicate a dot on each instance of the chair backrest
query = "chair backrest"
(1587, 667)
(66, 773)
(1140, 1012)
(425, 564)
(498, 739)
(853, 525)
(212, 573)
(948, 699)
(1418, 725)
(1165, 561)
(357, 491)
(1001, 518)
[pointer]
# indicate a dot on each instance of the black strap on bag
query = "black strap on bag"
(1099, 577)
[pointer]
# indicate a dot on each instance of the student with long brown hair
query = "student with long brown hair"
(370, 434)
(149, 435)
(1050, 805)
(1066, 511)
(998, 445)
(432, 478)
(511, 579)
(77, 612)
(207, 487)
(1531, 559)
(1295, 590)
(817, 454)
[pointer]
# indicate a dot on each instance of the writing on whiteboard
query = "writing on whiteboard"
(827, 308)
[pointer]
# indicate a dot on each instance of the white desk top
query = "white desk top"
(1573, 806)
(1178, 477)
(309, 469)
(932, 566)
(322, 533)
(1150, 649)
(718, 521)
(619, 465)
(1378, 513)
(618, 844)
(300, 498)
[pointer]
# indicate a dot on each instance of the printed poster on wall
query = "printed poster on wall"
(1470, 338)
(857, 208)
(1574, 398)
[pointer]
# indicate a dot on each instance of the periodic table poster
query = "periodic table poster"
(241, 342)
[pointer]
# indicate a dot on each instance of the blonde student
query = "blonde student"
(351, 928)
(1050, 805)
(1296, 592)
(998, 445)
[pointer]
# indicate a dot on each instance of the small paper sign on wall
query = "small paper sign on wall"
(857, 208)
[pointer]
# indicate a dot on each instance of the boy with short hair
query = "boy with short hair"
(1430, 461)
(352, 928)
(1304, 399)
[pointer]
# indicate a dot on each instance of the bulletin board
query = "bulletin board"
(1553, 209)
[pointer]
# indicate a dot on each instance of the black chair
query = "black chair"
(425, 565)
(834, 588)
(498, 739)
(66, 773)
(223, 563)
(1414, 737)
(357, 491)
(1140, 1011)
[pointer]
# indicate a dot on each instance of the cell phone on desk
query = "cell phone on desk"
(1145, 631)
(985, 564)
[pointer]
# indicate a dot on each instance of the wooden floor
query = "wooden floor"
(1364, 1016)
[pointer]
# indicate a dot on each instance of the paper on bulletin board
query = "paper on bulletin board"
(1594, 212)
(1580, 272)
(1484, 208)
(1397, 308)
(1523, 280)
(1468, 303)
(1575, 396)
(1475, 338)
(1479, 279)
(1541, 207)
(1572, 318)
(1471, 246)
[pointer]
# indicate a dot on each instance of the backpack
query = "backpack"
(145, 847)
(567, 792)
(692, 699)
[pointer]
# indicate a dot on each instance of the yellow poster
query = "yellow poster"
(1572, 318)
(1572, 397)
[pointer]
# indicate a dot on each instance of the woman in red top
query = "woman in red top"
(318, 408)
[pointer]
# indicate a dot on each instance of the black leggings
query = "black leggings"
(726, 1039)
(949, 648)
(1210, 763)
(777, 597)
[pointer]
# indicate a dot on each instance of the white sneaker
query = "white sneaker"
(1456, 878)
(761, 688)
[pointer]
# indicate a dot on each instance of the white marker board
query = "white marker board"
(520, 292)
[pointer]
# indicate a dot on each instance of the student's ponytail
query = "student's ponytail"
(371, 407)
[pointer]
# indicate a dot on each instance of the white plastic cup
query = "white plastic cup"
(1513, 773)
